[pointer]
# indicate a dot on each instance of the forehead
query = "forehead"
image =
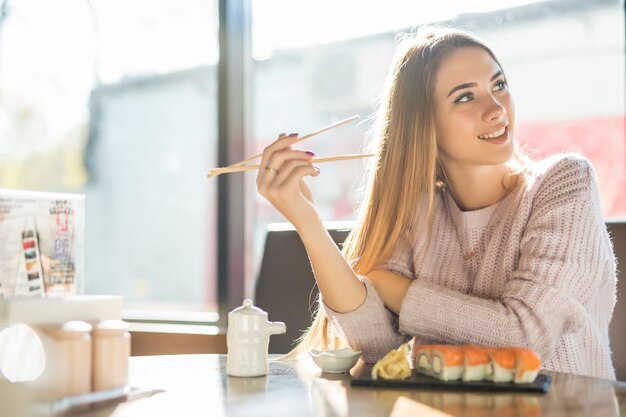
(465, 65)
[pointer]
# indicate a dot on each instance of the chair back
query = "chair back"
(285, 286)
(617, 328)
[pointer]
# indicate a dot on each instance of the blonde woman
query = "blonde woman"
(460, 239)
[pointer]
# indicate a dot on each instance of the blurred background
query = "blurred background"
(119, 100)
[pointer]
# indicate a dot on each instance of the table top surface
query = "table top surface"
(198, 385)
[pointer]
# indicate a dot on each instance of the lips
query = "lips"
(493, 134)
(497, 137)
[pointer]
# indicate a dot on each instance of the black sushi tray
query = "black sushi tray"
(363, 378)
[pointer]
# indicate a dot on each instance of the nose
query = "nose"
(494, 110)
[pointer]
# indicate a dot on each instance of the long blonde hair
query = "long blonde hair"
(406, 172)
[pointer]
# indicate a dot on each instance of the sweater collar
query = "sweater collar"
(481, 218)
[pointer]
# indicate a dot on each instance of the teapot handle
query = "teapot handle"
(276, 327)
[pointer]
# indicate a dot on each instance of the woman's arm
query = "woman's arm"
(340, 287)
(281, 182)
(391, 288)
(349, 302)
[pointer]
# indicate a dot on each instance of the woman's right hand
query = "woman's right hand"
(281, 180)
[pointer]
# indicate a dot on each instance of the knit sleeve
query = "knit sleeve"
(565, 258)
(401, 260)
(371, 328)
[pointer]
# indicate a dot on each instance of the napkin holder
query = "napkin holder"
(40, 314)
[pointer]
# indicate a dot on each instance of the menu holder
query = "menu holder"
(41, 243)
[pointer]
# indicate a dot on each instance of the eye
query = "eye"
(464, 98)
(500, 85)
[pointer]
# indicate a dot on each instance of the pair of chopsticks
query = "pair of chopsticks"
(242, 165)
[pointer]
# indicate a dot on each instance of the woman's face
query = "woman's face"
(475, 113)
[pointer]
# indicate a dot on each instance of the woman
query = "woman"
(460, 239)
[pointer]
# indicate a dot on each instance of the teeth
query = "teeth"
(493, 135)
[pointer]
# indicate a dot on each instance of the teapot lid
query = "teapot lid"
(248, 308)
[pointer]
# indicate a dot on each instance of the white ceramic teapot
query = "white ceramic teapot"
(248, 338)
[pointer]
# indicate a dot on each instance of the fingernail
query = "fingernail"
(292, 135)
(310, 153)
(317, 168)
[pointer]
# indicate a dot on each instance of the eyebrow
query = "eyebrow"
(468, 85)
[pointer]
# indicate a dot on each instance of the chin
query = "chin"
(502, 155)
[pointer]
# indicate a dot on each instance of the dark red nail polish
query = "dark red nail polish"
(292, 135)
(310, 153)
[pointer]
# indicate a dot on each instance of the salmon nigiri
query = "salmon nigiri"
(423, 360)
(527, 366)
(476, 360)
(447, 362)
(503, 364)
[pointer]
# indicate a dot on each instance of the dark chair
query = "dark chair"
(285, 287)
(617, 329)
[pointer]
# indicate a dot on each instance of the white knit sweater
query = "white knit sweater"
(536, 270)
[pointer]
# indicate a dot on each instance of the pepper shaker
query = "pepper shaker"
(68, 359)
(111, 350)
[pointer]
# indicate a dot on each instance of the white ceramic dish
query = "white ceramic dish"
(335, 361)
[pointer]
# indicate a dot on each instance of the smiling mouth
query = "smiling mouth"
(493, 135)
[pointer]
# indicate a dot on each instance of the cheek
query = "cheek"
(509, 105)
(450, 141)
(458, 126)
(455, 136)
(444, 133)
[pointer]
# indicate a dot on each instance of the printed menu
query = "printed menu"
(41, 243)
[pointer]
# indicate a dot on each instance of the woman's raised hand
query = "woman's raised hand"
(280, 179)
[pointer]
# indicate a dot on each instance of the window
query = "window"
(117, 100)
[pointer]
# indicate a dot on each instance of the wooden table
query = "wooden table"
(197, 385)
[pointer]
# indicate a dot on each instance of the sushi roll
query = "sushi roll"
(503, 364)
(476, 361)
(527, 366)
(447, 362)
(423, 362)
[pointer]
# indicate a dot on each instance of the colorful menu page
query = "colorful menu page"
(41, 243)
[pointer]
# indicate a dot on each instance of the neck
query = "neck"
(478, 187)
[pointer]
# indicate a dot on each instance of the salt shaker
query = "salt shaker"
(111, 350)
(68, 359)
(248, 338)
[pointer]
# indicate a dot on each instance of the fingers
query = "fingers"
(283, 142)
(282, 169)
(293, 171)
(287, 187)
(288, 161)
(280, 158)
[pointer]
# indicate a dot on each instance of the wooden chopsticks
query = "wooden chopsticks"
(226, 170)
(241, 165)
